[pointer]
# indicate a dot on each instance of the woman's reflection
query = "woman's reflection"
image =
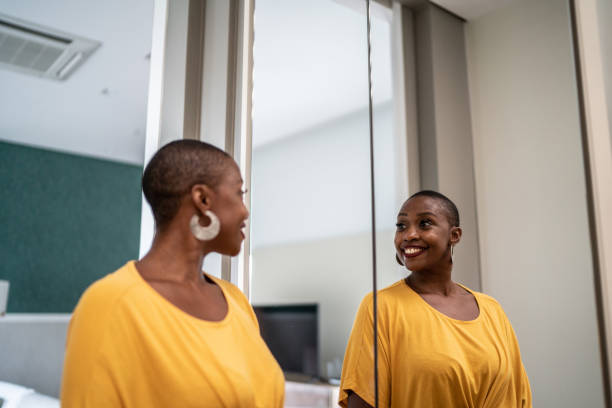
(439, 343)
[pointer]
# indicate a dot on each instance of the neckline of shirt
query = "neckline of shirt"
(439, 313)
(178, 311)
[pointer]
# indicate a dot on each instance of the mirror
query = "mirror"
(311, 206)
(73, 111)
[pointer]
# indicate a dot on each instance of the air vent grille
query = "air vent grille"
(27, 54)
(41, 51)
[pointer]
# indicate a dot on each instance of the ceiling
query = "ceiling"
(100, 110)
(316, 51)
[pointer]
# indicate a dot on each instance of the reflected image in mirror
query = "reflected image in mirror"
(311, 211)
(497, 129)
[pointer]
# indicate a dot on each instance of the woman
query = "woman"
(439, 343)
(159, 332)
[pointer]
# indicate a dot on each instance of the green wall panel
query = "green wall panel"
(65, 221)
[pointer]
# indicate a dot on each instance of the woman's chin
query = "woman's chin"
(235, 250)
(413, 266)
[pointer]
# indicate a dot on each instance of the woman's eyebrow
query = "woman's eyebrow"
(426, 213)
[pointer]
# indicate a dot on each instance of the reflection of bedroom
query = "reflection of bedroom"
(476, 98)
(310, 214)
(71, 152)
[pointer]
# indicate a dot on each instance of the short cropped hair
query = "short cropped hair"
(451, 209)
(175, 169)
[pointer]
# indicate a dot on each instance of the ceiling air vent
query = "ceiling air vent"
(41, 51)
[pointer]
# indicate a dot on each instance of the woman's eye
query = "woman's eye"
(425, 223)
(400, 226)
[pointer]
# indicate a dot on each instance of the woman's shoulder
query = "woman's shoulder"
(108, 290)
(387, 297)
(489, 304)
(485, 300)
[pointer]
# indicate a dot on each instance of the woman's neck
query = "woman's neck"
(172, 257)
(432, 281)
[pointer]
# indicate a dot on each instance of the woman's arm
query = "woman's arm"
(356, 385)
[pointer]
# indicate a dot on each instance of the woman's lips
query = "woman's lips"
(411, 252)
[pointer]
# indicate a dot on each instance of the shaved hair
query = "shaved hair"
(175, 169)
(452, 214)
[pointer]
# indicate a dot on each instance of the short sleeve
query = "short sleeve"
(358, 366)
(520, 379)
(86, 382)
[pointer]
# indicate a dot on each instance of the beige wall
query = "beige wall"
(530, 184)
(445, 140)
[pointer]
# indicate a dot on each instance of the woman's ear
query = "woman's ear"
(455, 235)
(201, 196)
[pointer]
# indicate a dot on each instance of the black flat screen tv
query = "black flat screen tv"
(292, 335)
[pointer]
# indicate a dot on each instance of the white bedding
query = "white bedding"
(16, 396)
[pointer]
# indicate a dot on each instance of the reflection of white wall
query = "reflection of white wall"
(311, 220)
(317, 183)
(334, 273)
(530, 185)
(310, 63)
(310, 205)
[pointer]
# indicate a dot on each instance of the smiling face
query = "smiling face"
(424, 235)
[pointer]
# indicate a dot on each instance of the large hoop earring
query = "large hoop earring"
(205, 233)
(452, 252)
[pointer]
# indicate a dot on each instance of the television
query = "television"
(292, 335)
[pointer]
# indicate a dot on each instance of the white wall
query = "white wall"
(32, 350)
(530, 183)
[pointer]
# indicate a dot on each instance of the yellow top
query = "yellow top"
(129, 347)
(429, 360)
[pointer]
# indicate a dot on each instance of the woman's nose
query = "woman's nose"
(411, 233)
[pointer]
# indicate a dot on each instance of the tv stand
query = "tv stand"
(311, 394)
